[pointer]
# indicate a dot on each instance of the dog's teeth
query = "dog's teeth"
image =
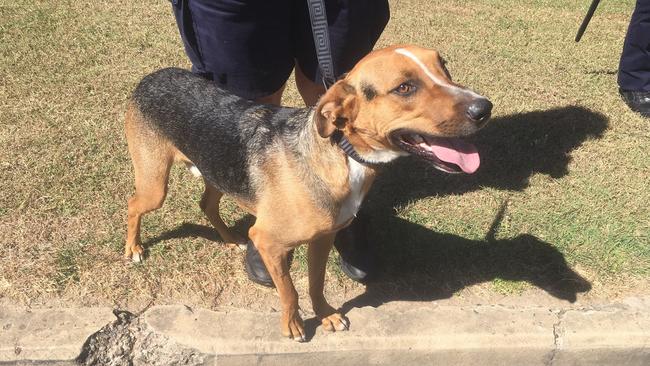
(417, 138)
(425, 146)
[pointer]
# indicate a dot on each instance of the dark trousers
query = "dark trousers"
(634, 69)
(250, 47)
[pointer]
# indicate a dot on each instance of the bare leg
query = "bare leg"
(275, 98)
(309, 91)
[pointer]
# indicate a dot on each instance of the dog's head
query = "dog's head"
(401, 100)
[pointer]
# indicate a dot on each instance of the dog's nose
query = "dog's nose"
(479, 109)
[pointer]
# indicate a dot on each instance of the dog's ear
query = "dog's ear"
(337, 108)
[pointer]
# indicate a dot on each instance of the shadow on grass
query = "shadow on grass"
(190, 230)
(185, 230)
(512, 149)
(419, 264)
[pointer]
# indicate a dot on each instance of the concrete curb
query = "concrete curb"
(53, 335)
(395, 333)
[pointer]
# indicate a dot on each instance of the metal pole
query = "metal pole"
(585, 22)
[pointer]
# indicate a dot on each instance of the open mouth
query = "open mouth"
(449, 154)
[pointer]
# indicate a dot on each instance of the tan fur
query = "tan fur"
(287, 215)
(152, 156)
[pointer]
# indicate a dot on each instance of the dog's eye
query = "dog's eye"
(405, 89)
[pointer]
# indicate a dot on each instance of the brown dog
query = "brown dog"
(302, 172)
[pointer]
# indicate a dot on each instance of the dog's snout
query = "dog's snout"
(479, 109)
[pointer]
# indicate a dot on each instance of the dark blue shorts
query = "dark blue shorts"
(250, 47)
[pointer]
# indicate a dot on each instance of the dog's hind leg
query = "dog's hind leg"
(210, 206)
(152, 158)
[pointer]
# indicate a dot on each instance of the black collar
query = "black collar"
(347, 147)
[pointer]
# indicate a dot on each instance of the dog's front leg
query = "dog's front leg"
(317, 254)
(275, 256)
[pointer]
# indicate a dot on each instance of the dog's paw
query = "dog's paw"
(195, 171)
(294, 328)
(235, 241)
(136, 258)
(335, 322)
(237, 246)
(134, 253)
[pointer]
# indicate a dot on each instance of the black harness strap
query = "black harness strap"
(318, 17)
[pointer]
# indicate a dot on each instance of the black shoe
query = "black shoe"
(255, 267)
(638, 101)
(357, 257)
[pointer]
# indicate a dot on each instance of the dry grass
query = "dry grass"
(563, 151)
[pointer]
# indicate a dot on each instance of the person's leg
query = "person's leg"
(275, 98)
(223, 39)
(310, 91)
(354, 28)
(634, 68)
(242, 45)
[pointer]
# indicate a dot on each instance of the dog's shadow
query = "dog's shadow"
(512, 149)
(417, 263)
(185, 230)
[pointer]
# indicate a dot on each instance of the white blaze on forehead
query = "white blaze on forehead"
(424, 68)
(433, 77)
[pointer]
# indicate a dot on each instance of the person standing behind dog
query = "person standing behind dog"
(250, 47)
(634, 68)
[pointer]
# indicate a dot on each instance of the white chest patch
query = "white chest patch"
(383, 156)
(350, 206)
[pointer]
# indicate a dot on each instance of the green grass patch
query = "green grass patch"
(67, 266)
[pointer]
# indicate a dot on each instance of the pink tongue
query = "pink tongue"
(455, 151)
